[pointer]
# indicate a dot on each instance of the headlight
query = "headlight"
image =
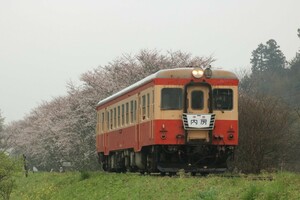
(208, 72)
(197, 73)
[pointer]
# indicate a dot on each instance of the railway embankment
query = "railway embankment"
(100, 185)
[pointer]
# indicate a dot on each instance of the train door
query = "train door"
(198, 117)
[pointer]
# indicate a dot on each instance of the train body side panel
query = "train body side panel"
(125, 138)
(164, 132)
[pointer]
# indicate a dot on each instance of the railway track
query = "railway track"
(248, 177)
(244, 176)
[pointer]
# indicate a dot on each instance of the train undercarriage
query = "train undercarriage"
(169, 159)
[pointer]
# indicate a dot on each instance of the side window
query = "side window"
(115, 117)
(123, 115)
(127, 113)
(107, 120)
(222, 99)
(134, 111)
(143, 106)
(152, 104)
(148, 105)
(131, 111)
(111, 119)
(119, 116)
(171, 98)
(102, 121)
(197, 100)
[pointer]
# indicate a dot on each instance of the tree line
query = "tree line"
(63, 129)
(269, 111)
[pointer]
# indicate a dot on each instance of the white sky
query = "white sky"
(44, 44)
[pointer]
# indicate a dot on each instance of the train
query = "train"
(180, 118)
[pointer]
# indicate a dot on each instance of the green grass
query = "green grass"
(99, 185)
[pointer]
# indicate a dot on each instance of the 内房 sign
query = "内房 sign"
(198, 121)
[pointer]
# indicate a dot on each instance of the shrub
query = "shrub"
(8, 167)
(84, 175)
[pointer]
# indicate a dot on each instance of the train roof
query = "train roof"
(181, 73)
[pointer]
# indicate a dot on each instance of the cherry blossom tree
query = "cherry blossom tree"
(63, 129)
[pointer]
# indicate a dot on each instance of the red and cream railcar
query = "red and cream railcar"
(183, 118)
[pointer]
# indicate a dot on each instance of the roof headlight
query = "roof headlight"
(197, 72)
(208, 72)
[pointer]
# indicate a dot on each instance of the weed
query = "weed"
(209, 194)
(84, 175)
(182, 173)
(252, 193)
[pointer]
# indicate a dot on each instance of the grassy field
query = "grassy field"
(99, 185)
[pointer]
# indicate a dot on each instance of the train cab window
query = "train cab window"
(171, 98)
(222, 99)
(197, 100)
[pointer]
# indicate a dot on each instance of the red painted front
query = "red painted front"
(222, 131)
(161, 132)
(169, 132)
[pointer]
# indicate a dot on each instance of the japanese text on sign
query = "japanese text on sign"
(198, 121)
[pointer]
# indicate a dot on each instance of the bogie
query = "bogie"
(167, 159)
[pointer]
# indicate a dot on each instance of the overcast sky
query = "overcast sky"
(44, 44)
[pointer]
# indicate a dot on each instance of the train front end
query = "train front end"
(197, 121)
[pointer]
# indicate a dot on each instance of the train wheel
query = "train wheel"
(172, 174)
(162, 173)
(142, 173)
(230, 164)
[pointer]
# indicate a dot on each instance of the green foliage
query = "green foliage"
(6, 186)
(252, 193)
(295, 66)
(258, 59)
(269, 74)
(84, 175)
(8, 167)
(209, 194)
(267, 58)
(66, 186)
